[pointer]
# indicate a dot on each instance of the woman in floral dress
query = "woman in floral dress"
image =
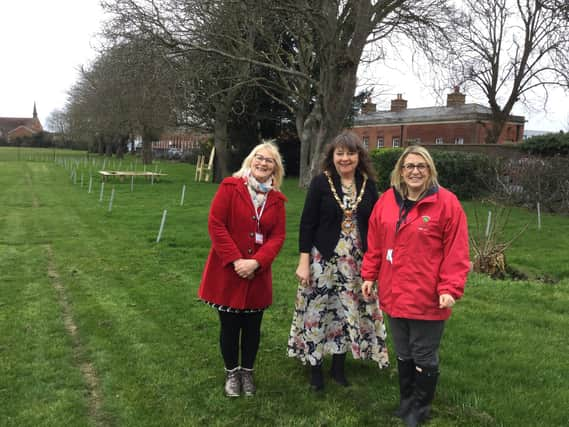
(331, 315)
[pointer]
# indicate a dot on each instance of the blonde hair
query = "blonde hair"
(278, 171)
(399, 184)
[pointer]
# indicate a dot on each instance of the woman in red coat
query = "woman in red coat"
(418, 254)
(247, 229)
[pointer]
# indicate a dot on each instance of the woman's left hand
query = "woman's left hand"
(446, 301)
(245, 268)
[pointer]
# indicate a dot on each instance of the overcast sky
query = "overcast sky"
(42, 44)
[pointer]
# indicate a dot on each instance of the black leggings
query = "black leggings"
(236, 328)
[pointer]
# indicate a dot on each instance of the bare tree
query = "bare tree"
(311, 49)
(508, 49)
(210, 45)
(128, 90)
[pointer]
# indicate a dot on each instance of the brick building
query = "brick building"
(183, 139)
(17, 127)
(456, 123)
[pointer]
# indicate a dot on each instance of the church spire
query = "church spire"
(35, 111)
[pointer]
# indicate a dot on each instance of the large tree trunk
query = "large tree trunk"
(338, 66)
(147, 138)
(499, 120)
(316, 133)
(100, 145)
(326, 120)
(121, 147)
(221, 139)
(109, 149)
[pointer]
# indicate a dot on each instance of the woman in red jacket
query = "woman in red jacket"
(247, 230)
(418, 254)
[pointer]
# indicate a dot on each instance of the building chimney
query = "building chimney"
(455, 99)
(368, 107)
(398, 104)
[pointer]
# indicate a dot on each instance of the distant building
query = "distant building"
(16, 127)
(456, 123)
(183, 139)
(530, 133)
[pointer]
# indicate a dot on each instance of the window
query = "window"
(366, 142)
(380, 142)
(395, 142)
(439, 140)
(459, 141)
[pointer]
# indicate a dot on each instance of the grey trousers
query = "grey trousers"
(417, 340)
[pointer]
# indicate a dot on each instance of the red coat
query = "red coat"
(232, 225)
(429, 254)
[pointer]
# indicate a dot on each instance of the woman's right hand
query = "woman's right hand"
(367, 290)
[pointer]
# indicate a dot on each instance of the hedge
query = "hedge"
(468, 175)
(550, 144)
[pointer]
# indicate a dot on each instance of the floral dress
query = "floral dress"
(331, 315)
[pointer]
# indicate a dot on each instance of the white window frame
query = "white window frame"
(459, 141)
(439, 140)
(380, 142)
(395, 143)
(365, 140)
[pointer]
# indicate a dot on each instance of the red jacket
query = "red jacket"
(232, 225)
(429, 254)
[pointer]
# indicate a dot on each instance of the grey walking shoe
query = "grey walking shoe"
(232, 382)
(247, 382)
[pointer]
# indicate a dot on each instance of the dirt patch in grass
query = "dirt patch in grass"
(95, 398)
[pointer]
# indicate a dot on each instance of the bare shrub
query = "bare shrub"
(489, 244)
(532, 179)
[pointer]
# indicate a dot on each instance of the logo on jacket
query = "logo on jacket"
(426, 219)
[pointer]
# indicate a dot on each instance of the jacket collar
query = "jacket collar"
(427, 197)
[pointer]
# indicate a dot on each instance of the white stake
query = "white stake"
(132, 183)
(102, 191)
(111, 199)
(538, 216)
(183, 195)
(90, 184)
(488, 223)
(161, 226)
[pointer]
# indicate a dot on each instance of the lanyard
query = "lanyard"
(259, 214)
(403, 212)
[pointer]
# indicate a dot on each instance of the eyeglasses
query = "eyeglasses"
(421, 167)
(267, 160)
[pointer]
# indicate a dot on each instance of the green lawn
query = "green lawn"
(142, 351)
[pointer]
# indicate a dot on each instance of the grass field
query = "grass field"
(100, 325)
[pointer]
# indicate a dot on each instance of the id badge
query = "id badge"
(258, 238)
(389, 256)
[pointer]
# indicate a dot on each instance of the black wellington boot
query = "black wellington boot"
(406, 370)
(425, 386)
(316, 378)
(337, 371)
